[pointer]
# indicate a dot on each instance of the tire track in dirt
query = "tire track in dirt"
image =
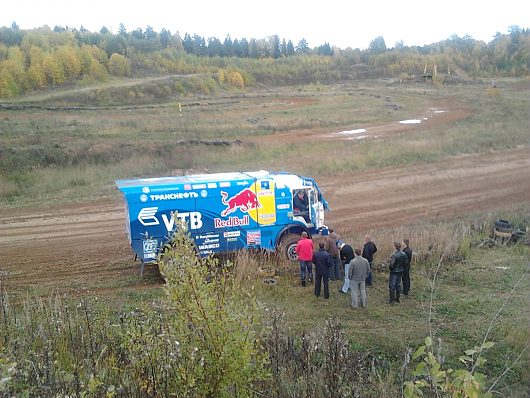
(65, 222)
(66, 264)
(443, 112)
(453, 187)
(67, 247)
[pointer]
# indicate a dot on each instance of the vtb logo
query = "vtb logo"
(147, 217)
(244, 200)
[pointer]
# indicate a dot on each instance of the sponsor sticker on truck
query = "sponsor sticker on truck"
(150, 247)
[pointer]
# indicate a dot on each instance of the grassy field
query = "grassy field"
(463, 293)
(77, 154)
(56, 155)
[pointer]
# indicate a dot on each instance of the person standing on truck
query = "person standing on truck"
(333, 250)
(304, 249)
(398, 260)
(358, 271)
(406, 270)
(369, 249)
(301, 205)
(323, 263)
(346, 255)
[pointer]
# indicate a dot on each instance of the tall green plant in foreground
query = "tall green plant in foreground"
(199, 342)
(431, 375)
(214, 321)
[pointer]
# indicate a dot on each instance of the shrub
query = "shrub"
(431, 376)
(200, 342)
(214, 322)
(317, 364)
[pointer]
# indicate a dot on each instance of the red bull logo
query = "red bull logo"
(244, 200)
(231, 222)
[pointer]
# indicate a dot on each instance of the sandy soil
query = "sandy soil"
(67, 247)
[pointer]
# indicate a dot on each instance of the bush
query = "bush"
(214, 322)
(119, 65)
(199, 342)
(431, 376)
(320, 363)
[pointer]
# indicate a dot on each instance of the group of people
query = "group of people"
(335, 260)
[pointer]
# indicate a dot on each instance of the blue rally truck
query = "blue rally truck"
(224, 212)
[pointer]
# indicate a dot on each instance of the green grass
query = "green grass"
(86, 150)
(471, 291)
(67, 156)
(467, 298)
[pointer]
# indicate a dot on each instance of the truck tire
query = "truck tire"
(287, 247)
(270, 281)
(518, 235)
(503, 225)
(503, 229)
(501, 234)
(266, 271)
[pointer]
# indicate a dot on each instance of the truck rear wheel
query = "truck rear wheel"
(288, 245)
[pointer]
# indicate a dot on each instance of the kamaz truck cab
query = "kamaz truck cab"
(224, 212)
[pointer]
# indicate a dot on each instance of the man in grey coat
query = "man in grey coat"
(359, 269)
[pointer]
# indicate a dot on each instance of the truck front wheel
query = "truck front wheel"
(288, 245)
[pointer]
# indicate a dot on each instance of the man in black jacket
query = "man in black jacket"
(398, 260)
(323, 262)
(346, 255)
(406, 270)
(369, 249)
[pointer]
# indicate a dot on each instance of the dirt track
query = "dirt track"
(449, 188)
(71, 247)
(442, 112)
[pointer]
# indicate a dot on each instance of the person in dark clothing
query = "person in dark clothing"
(398, 260)
(406, 270)
(323, 262)
(346, 252)
(369, 249)
(333, 250)
(346, 255)
(301, 205)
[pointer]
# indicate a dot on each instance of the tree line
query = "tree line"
(38, 58)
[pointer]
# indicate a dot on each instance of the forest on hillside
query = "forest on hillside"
(36, 59)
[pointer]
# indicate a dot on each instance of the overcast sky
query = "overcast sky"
(345, 23)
